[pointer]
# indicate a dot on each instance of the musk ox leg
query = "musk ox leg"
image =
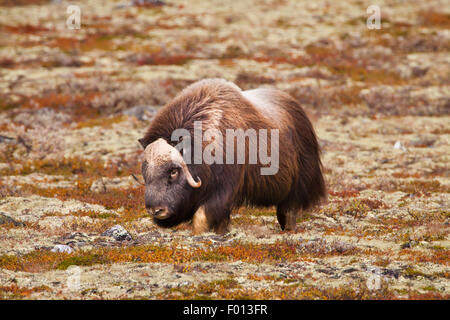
(199, 222)
(204, 221)
(222, 227)
(287, 217)
(218, 209)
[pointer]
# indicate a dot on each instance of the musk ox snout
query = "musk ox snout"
(159, 212)
(154, 207)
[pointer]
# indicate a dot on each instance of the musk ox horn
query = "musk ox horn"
(189, 178)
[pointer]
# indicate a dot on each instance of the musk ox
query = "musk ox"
(180, 188)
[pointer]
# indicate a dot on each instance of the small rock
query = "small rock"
(76, 239)
(151, 3)
(143, 113)
(62, 248)
(6, 139)
(117, 232)
(391, 273)
(409, 244)
(398, 145)
(349, 270)
(422, 142)
(405, 245)
(326, 271)
(4, 219)
(184, 284)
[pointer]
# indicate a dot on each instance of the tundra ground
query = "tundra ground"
(74, 102)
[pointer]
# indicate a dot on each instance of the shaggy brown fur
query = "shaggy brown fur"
(299, 183)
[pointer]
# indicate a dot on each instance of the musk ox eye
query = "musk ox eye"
(174, 173)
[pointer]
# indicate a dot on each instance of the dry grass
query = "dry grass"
(11, 3)
(15, 292)
(290, 292)
(434, 19)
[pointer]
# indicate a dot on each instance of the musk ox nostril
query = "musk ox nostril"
(159, 212)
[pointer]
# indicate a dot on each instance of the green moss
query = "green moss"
(6, 260)
(410, 272)
(5, 106)
(87, 260)
(228, 283)
(305, 216)
(356, 208)
(430, 288)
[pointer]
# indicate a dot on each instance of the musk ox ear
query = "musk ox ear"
(142, 142)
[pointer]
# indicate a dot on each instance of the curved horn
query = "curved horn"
(189, 178)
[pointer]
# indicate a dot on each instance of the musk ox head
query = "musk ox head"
(169, 185)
